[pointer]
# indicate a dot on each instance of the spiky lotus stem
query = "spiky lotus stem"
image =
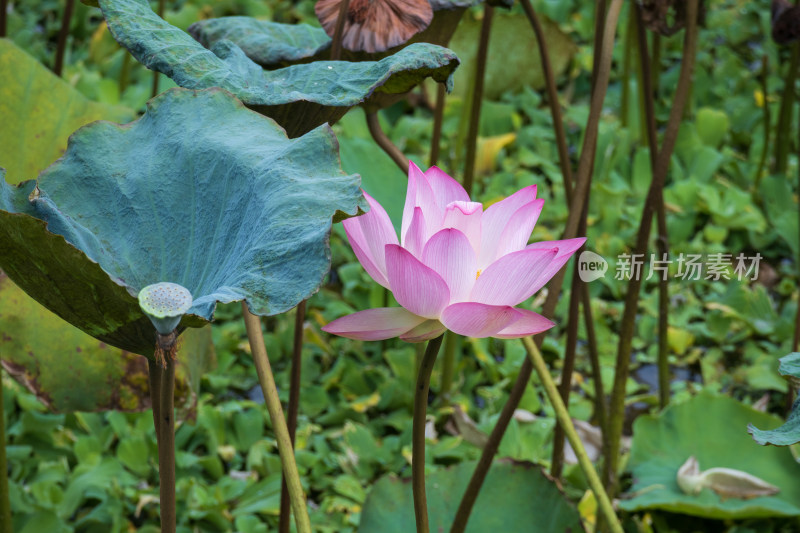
(165, 304)
(166, 348)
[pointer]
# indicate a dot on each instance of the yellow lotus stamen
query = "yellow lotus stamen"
(478, 274)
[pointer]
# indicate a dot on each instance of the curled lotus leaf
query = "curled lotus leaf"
(200, 191)
(270, 44)
(299, 97)
(727, 482)
(274, 44)
(789, 432)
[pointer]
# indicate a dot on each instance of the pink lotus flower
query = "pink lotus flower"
(455, 267)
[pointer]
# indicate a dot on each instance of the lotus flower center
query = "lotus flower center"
(478, 274)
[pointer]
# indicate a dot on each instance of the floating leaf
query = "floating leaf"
(200, 192)
(727, 482)
(300, 97)
(39, 111)
(661, 444)
(788, 433)
(70, 371)
(514, 497)
(273, 45)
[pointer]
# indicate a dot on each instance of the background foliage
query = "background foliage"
(83, 472)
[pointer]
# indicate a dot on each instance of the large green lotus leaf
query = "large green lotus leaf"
(270, 44)
(788, 433)
(199, 191)
(300, 97)
(710, 428)
(39, 110)
(513, 57)
(274, 45)
(514, 497)
(70, 371)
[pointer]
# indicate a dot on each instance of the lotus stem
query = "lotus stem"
(552, 97)
(62, 36)
(565, 420)
(626, 72)
(583, 177)
(648, 76)
(3, 9)
(784, 130)
(154, 377)
(374, 125)
(654, 196)
(338, 32)
(477, 98)
(762, 77)
(582, 186)
(124, 73)
(273, 402)
(294, 405)
(438, 119)
(5, 503)
(594, 359)
(161, 7)
(557, 462)
(165, 433)
(418, 433)
(448, 365)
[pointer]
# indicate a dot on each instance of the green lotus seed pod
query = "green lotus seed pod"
(164, 304)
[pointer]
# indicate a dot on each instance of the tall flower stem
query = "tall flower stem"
(154, 381)
(438, 119)
(418, 433)
(552, 97)
(294, 406)
(627, 327)
(557, 463)
(374, 125)
(493, 442)
(763, 77)
(5, 504)
(477, 98)
(562, 415)
(165, 432)
(3, 9)
(579, 197)
(124, 72)
(338, 31)
(784, 129)
(662, 243)
(448, 365)
(796, 338)
(154, 90)
(270, 390)
(63, 33)
(594, 359)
